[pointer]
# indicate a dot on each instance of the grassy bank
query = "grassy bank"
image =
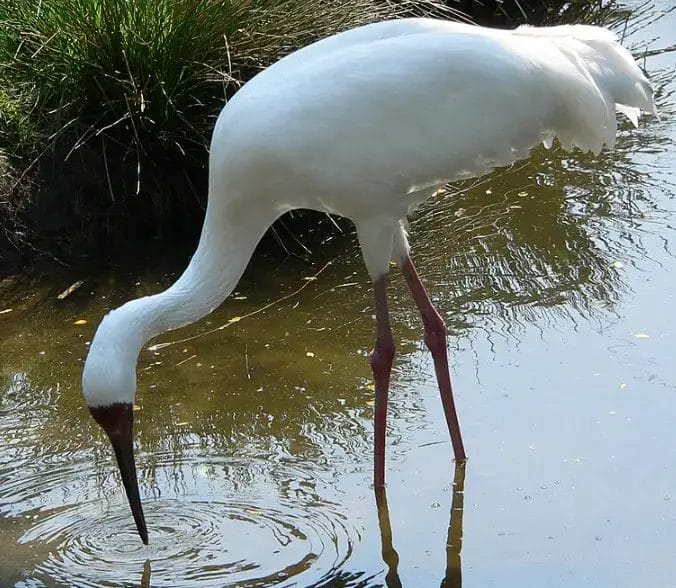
(106, 108)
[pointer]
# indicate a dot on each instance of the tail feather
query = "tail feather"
(619, 83)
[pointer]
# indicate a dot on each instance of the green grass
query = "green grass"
(107, 105)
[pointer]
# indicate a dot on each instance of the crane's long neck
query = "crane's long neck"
(224, 250)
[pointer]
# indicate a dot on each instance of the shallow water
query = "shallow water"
(254, 440)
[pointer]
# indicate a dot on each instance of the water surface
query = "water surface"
(254, 440)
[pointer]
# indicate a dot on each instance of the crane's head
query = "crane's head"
(109, 388)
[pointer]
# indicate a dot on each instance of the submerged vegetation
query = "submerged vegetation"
(106, 108)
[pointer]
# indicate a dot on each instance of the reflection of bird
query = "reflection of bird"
(453, 573)
(368, 124)
(147, 573)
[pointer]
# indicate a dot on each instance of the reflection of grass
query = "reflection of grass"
(542, 234)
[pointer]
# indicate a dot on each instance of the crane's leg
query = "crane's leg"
(435, 339)
(381, 363)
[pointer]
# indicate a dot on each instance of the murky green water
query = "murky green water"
(254, 440)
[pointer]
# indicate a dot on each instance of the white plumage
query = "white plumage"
(367, 124)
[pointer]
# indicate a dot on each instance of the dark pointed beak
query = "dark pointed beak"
(124, 452)
(117, 421)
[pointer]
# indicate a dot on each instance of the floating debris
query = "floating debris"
(180, 363)
(68, 291)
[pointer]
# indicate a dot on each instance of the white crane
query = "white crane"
(367, 124)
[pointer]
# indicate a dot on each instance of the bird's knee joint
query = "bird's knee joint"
(382, 357)
(435, 333)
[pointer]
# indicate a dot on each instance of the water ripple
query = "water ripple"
(251, 540)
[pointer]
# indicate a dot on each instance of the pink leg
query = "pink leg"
(435, 339)
(381, 363)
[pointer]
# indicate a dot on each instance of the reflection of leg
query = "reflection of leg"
(453, 577)
(390, 555)
(435, 339)
(145, 578)
(381, 363)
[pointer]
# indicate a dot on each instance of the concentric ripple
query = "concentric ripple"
(261, 539)
(213, 519)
